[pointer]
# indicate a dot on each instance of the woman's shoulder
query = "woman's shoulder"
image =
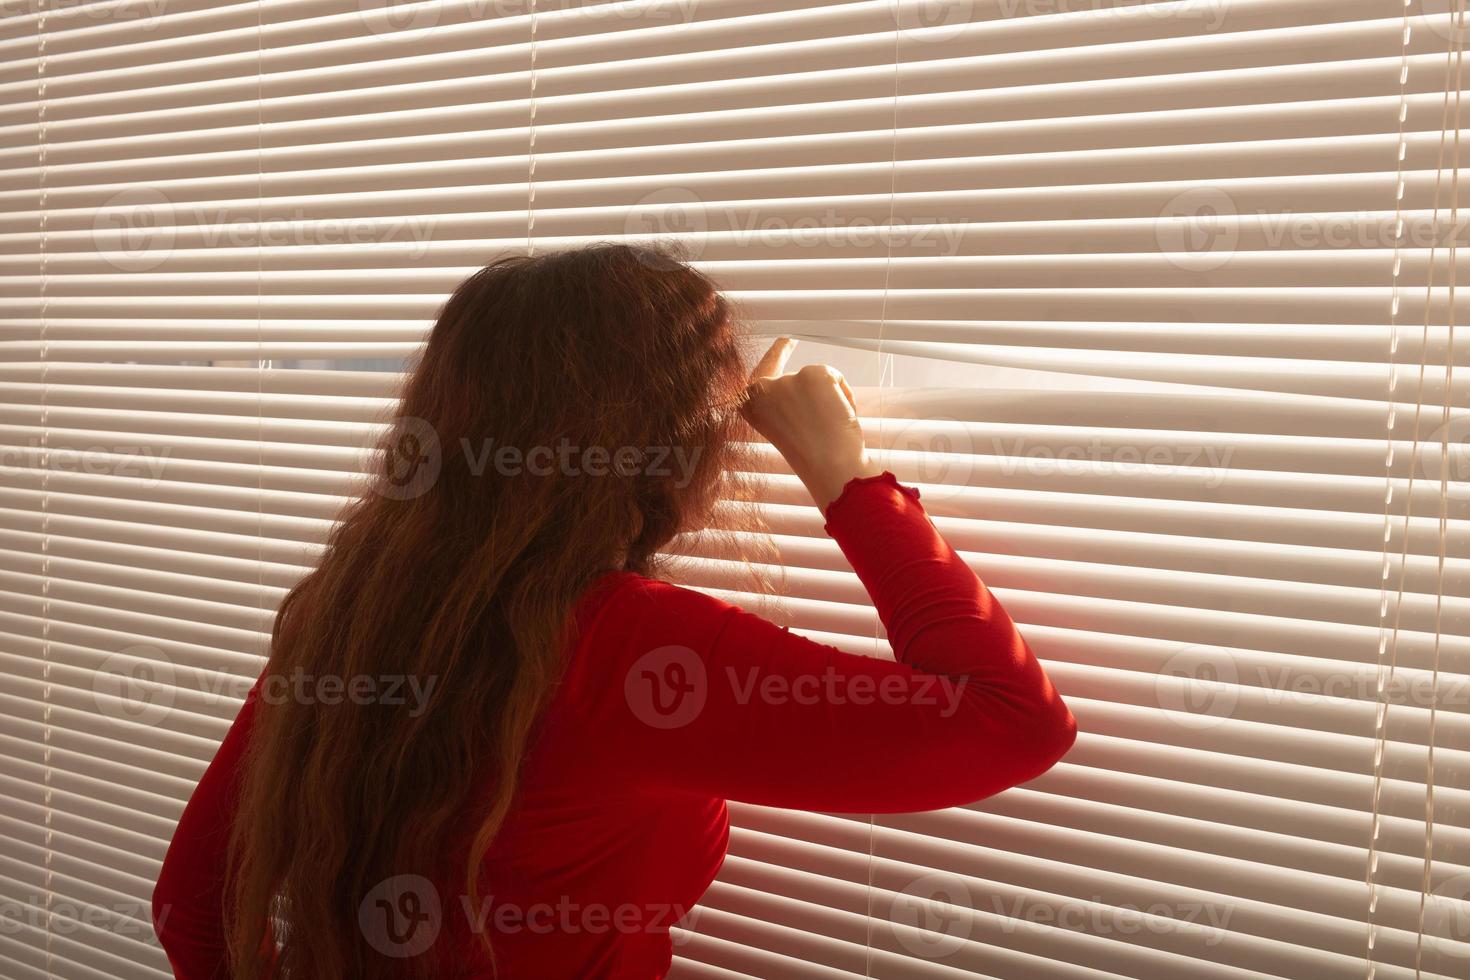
(632, 593)
(623, 619)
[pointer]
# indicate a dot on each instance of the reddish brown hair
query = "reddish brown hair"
(454, 568)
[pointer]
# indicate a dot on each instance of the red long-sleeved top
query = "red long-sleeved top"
(672, 703)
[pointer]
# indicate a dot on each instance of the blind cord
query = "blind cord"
(1385, 666)
(1426, 878)
(885, 377)
(261, 363)
(531, 143)
(48, 896)
(1413, 462)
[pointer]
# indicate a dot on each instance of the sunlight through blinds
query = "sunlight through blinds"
(1153, 301)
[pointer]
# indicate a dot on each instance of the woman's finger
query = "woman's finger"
(773, 362)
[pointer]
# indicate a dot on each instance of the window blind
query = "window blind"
(1153, 301)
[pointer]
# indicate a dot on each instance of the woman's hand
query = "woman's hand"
(811, 419)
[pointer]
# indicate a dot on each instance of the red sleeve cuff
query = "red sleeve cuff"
(841, 509)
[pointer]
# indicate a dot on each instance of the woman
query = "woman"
(554, 799)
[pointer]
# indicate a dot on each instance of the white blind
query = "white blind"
(1153, 301)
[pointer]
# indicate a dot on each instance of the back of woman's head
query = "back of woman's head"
(569, 415)
(607, 361)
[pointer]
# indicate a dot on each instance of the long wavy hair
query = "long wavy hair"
(459, 566)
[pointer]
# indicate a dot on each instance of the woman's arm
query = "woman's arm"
(188, 900)
(765, 716)
(721, 702)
